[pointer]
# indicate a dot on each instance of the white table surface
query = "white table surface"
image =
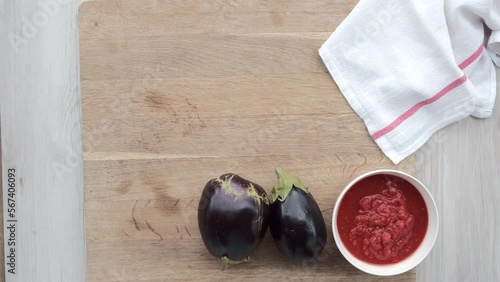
(41, 137)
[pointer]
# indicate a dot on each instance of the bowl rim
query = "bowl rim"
(396, 268)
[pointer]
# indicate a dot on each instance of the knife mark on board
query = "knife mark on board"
(187, 231)
(153, 230)
(178, 231)
(133, 217)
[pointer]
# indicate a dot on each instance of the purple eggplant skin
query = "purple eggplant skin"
(296, 223)
(233, 216)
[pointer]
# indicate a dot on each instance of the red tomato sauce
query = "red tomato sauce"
(382, 219)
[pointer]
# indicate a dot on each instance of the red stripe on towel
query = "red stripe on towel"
(472, 58)
(417, 106)
(434, 98)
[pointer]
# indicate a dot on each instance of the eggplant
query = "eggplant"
(233, 217)
(296, 223)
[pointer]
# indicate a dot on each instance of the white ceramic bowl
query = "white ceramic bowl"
(420, 253)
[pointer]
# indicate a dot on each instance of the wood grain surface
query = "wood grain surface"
(177, 92)
(40, 115)
(461, 166)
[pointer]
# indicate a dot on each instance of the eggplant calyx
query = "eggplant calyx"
(226, 184)
(251, 192)
(285, 184)
(225, 261)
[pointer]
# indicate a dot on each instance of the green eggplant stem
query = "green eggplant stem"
(284, 185)
(225, 261)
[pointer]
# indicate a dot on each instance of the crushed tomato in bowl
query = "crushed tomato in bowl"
(382, 219)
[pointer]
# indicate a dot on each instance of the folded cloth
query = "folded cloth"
(410, 68)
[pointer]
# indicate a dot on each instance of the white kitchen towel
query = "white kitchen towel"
(409, 68)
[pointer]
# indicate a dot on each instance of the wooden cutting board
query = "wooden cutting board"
(177, 92)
